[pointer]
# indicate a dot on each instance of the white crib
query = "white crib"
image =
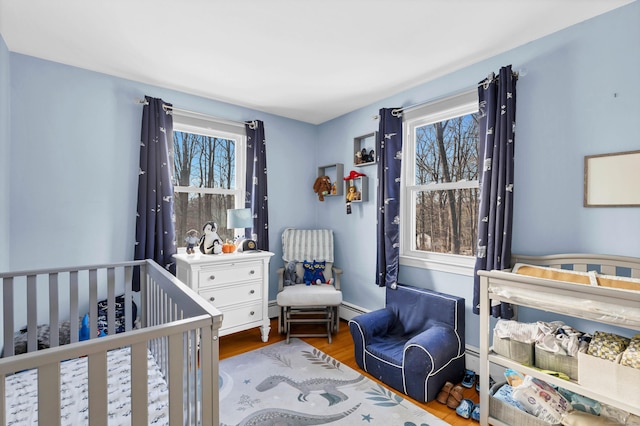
(175, 331)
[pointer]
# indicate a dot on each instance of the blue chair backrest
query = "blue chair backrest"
(418, 309)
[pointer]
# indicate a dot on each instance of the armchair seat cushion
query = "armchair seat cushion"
(309, 295)
(391, 350)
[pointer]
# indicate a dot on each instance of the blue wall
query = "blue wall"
(74, 162)
(4, 154)
(580, 96)
(74, 155)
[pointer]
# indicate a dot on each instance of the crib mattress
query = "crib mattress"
(22, 392)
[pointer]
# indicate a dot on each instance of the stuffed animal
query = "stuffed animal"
(290, 275)
(322, 187)
(352, 194)
(191, 239)
(318, 273)
(210, 242)
(308, 272)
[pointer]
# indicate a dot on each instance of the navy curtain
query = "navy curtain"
(389, 159)
(497, 110)
(256, 183)
(155, 226)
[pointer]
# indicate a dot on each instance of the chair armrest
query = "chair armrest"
(439, 343)
(280, 272)
(375, 323)
(336, 277)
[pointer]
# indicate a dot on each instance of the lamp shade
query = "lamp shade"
(239, 218)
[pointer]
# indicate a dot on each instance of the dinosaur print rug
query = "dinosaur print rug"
(296, 384)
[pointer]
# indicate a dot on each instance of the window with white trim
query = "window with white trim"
(209, 173)
(440, 184)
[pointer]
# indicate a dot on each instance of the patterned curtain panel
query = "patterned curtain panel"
(497, 110)
(389, 152)
(155, 227)
(256, 184)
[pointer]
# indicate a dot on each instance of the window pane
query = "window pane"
(447, 151)
(193, 210)
(446, 221)
(204, 161)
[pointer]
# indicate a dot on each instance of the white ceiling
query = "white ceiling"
(303, 59)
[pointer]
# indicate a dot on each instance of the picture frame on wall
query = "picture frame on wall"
(612, 180)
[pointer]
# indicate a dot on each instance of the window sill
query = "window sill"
(461, 265)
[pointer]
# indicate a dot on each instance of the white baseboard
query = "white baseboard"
(472, 362)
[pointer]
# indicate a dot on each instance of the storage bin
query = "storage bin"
(509, 414)
(522, 353)
(617, 381)
(554, 362)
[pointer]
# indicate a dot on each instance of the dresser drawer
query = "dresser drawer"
(235, 294)
(230, 273)
(241, 315)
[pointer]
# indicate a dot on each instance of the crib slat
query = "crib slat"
(209, 349)
(54, 315)
(48, 400)
(139, 381)
(74, 330)
(3, 404)
(98, 389)
(176, 362)
(111, 301)
(93, 303)
(32, 314)
(128, 306)
(7, 318)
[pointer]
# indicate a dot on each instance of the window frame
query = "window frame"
(438, 110)
(209, 126)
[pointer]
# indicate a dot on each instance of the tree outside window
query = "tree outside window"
(206, 184)
(441, 181)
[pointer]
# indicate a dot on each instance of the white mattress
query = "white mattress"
(22, 392)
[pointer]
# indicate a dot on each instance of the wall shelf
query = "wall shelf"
(335, 173)
(361, 184)
(364, 149)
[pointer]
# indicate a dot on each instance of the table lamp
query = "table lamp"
(242, 218)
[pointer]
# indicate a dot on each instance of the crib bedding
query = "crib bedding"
(22, 392)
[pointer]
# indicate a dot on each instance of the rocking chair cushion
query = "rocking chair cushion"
(309, 295)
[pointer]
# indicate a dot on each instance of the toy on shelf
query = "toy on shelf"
(353, 194)
(210, 242)
(322, 187)
(191, 239)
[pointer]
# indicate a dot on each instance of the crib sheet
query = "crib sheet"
(22, 392)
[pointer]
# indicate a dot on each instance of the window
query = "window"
(440, 184)
(209, 173)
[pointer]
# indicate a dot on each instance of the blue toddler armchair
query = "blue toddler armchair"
(415, 344)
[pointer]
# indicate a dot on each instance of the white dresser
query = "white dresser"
(235, 283)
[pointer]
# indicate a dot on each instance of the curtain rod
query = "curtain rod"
(168, 108)
(398, 111)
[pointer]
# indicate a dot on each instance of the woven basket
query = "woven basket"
(561, 363)
(509, 414)
(522, 353)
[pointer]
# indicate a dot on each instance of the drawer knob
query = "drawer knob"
(212, 298)
(252, 313)
(252, 292)
(251, 272)
(212, 277)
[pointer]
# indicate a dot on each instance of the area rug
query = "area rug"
(296, 384)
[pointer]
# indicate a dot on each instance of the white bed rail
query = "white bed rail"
(177, 327)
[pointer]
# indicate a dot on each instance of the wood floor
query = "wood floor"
(341, 349)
